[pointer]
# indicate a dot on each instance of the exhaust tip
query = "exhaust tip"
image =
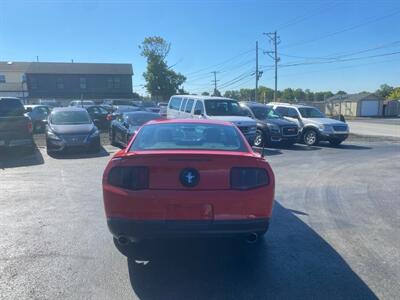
(123, 240)
(252, 238)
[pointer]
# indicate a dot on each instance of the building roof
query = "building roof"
(66, 68)
(351, 97)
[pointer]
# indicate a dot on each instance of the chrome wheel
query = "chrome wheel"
(310, 138)
(259, 139)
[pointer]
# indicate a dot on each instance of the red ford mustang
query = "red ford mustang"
(188, 177)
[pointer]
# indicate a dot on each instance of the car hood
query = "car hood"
(237, 120)
(72, 129)
(324, 121)
(279, 122)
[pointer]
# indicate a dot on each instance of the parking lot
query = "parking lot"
(334, 234)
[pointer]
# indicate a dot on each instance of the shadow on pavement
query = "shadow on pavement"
(267, 151)
(79, 154)
(13, 158)
(292, 262)
(347, 147)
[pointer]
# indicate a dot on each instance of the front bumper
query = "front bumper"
(328, 136)
(140, 229)
(61, 145)
(279, 138)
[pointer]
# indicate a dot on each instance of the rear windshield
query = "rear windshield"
(265, 112)
(188, 136)
(11, 107)
(70, 118)
(220, 107)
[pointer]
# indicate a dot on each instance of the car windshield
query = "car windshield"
(265, 112)
(138, 119)
(221, 107)
(310, 112)
(72, 117)
(188, 136)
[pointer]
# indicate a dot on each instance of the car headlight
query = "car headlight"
(273, 128)
(321, 126)
(53, 136)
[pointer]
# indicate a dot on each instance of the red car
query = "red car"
(180, 178)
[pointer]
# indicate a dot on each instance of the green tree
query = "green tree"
(384, 90)
(341, 93)
(299, 94)
(205, 94)
(287, 94)
(216, 93)
(161, 81)
(395, 94)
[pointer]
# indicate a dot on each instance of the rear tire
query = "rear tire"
(310, 137)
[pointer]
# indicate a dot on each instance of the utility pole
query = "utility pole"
(215, 82)
(275, 40)
(258, 74)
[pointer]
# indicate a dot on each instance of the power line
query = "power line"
(275, 40)
(221, 63)
(371, 20)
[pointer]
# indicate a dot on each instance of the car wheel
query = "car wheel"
(310, 137)
(335, 142)
(259, 140)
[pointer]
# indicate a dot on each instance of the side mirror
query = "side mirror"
(45, 122)
(28, 109)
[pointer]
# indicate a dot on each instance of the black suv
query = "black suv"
(271, 126)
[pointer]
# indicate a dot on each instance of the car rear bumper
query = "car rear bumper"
(141, 229)
(60, 145)
(20, 142)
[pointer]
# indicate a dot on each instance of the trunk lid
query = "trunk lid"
(167, 168)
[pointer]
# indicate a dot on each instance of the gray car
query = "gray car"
(38, 115)
(313, 124)
(71, 129)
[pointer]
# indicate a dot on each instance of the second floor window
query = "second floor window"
(2, 78)
(113, 83)
(82, 83)
(60, 83)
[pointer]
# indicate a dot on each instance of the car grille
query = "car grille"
(289, 131)
(340, 127)
(74, 139)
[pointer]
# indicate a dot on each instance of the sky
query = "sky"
(324, 45)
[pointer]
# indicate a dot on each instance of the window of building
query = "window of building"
(60, 83)
(117, 83)
(2, 78)
(110, 83)
(82, 83)
(33, 84)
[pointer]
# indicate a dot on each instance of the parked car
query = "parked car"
(99, 113)
(150, 107)
(81, 103)
(71, 128)
(49, 102)
(125, 125)
(120, 110)
(38, 115)
(271, 126)
(213, 108)
(117, 102)
(15, 128)
(187, 178)
(313, 124)
(163, 108)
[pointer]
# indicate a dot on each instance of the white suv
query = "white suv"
(214, 108)
(313, 124)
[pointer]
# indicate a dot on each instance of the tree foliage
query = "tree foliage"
(161, 81)
(395, 94)
(384, 91)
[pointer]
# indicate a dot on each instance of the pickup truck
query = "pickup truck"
(15, 127)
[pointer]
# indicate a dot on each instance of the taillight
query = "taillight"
(130, 178)
(109, 117)
(29, 126)
(248, 178)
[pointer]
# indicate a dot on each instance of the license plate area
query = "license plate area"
(190, 212)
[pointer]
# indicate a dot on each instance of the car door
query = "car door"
(188, 108)
(198, 112)
(181, 112)
(293, 116)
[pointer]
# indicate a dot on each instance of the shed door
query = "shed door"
(369, 108)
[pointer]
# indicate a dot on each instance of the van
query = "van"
(214, 108)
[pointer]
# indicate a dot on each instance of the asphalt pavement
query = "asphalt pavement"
(335, 233)
(376, 127)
